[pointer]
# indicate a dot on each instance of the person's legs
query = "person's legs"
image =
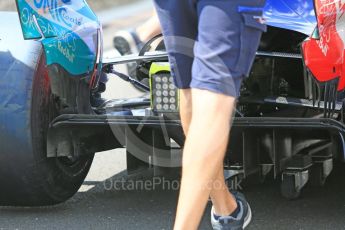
(223, 202)
(209, 130)
(132, 40)
(150, 28)
(217, 75)
(222, 199)
(186, 109)
(203, 154)
(215, 86)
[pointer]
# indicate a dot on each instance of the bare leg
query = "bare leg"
(150, 28)
(186, 109)
(127, 42)
(223, 202)
(203, 156)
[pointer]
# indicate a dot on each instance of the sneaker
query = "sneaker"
(127, 42)
(230, 223)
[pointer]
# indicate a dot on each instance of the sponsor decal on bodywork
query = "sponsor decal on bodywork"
(67, 30)
(324, 53)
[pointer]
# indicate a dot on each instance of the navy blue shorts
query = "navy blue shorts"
(211, 43)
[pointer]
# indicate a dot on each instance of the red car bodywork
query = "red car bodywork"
(324, 52)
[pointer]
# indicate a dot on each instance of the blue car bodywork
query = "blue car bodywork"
(296, 15)
(68, 31)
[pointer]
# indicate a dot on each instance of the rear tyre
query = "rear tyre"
(27, 106)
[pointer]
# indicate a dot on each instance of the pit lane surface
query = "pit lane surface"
(101, 205)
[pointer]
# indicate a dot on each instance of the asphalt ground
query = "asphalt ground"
(108, 200)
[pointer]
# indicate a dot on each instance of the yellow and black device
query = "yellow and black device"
(164, 94)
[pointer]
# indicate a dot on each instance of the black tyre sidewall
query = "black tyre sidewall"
(55, 180)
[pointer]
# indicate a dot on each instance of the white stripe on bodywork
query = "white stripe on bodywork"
(340, 19)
